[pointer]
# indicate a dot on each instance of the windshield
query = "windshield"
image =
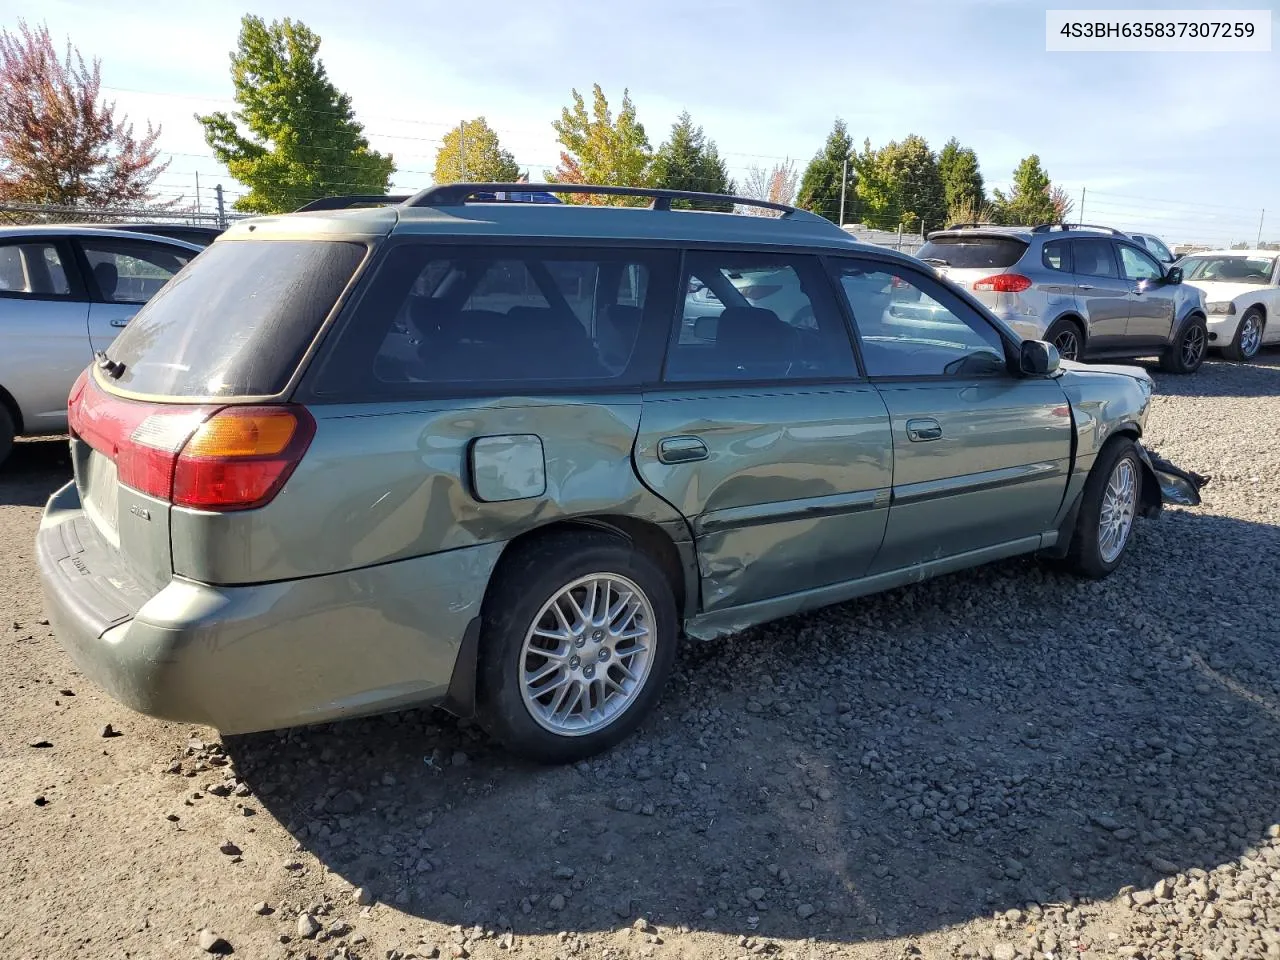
(983, 253)
(1238, 269)
(236, 321)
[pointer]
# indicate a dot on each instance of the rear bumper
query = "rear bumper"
(264, 656)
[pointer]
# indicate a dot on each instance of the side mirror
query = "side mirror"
(1173, 275)
(1037, 358)
(706, 328)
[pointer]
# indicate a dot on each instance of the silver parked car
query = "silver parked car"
(65, 292)
(1092, 292)
(1155, 246)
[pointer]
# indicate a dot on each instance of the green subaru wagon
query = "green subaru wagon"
(501, 456)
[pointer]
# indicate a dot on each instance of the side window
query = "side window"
(1138, 265)
(1094, 257)
(1057, 255)
(1162, 252)
(131, 272)
(758, 317)
(32, 269)
(910, 326)
(468, 316)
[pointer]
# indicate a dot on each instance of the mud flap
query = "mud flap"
(1175, 485)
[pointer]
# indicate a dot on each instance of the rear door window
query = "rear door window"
(1094, 258)
(237, 321)
(503, 319)
(971, 253)
(758, 317)
(131, 271)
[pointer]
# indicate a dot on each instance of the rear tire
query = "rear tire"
(6, 434)
(597, 677)
(1245, 344)
(1108, 511)
(1066, 335)
(1187, 352)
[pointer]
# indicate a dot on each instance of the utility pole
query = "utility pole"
(844, 179)
(1083, 191)
(462, 151)
(1260, 219)
(222, 212)
(198, 192)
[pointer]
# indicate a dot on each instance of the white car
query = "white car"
(1242, 290)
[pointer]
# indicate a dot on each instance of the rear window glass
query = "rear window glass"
(236, 321)
(972, 252)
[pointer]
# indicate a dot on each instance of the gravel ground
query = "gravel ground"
(1004, 763)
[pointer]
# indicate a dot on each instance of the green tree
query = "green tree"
(821, 183)
(899, 185)
(1030, 199)
(689, 161)
(601, 150)
(486, 160)
(295, 137)
(961, 180)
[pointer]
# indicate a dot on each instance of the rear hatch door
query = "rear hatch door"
(964, 257)
(231, 329)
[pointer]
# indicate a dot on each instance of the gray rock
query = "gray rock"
(805, 911)
(557, 902)
(210, 942)
(459, 759)
(307, 926)
(563, 872)
(1004, 951)
(362, 895)
(344, 803)
(262, 908)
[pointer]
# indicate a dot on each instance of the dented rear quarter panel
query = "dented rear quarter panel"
(388, 482)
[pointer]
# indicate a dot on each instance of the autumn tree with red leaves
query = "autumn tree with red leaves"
(59, 142)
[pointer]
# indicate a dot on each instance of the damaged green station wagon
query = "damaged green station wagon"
(500, 456)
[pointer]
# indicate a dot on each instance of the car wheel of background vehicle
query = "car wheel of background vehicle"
(1108, 509)
(1187, 351)
(1244, 345)
(6, 434)
(1067, 336)
(578, 638)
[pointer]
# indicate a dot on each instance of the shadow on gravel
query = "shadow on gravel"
(892, 766)
(1222, 378)
(33, 471)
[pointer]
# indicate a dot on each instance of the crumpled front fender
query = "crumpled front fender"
(1175, 485)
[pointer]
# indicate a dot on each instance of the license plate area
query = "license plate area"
(102, 492)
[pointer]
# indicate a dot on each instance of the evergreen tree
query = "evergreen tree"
(821, 183)
(689, 161)
(1030, 199)
(961, 180)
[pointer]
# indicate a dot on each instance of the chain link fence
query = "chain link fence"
(21, 214)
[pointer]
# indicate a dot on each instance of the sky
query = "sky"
(1184, 145)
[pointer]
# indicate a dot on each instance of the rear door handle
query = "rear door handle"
(923, 430)
(1084, 286)
(681, 450)
(121, 321)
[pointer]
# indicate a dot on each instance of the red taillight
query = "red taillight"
(241, 456)
(1003, 283)
(205, 457)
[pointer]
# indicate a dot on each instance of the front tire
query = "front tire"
(1186, 353)
(1108, 511)
(1244, 345)
(578, 639)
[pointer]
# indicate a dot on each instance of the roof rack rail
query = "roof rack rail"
(1049, 227)
(352, 200)
(455, 194)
